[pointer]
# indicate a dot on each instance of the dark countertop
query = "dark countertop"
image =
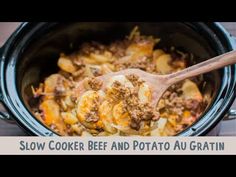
(228, 128)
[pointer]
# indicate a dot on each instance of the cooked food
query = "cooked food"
(122, 106)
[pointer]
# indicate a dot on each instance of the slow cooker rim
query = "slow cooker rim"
(10, 103)
(7, 101)
(226, 104)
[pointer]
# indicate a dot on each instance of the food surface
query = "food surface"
(123, 107)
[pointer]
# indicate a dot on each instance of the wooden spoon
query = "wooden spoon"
(160, 83)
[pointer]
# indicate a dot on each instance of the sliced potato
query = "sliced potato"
(106, 116)
(84, 107)
(191, 91)
(157, 53)
(66, 65)
(51, 112)
(144, 93)
(155, 132)
(172, 120)
(120, 78)
(186, 114)
(107, 54)
(77, 128)
(67, 100)
(101, 95)
(51, 83)
(88, 60)
(99, 58)
(104, 133)
(162, 64)
(161, 104)
(107, 68)
(161, 123)
(85, 133)
(137, 50)
(69, 118)
(121, 118)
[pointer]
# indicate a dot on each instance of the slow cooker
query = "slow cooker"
(31, 53)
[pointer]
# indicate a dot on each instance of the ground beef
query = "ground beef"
(95, 83)
(92, 116)
(134, 79)
(142, 63)
(118, 48)
(60, 89)
(88, 48)
(135, 124)
(173, 102)
(117, 92)
(79, 62)
(138, 111)
(96, 72)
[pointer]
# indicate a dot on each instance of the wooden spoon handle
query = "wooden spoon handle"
(203, 67)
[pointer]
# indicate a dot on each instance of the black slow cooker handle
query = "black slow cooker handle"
(3, 114)
(230, 115)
